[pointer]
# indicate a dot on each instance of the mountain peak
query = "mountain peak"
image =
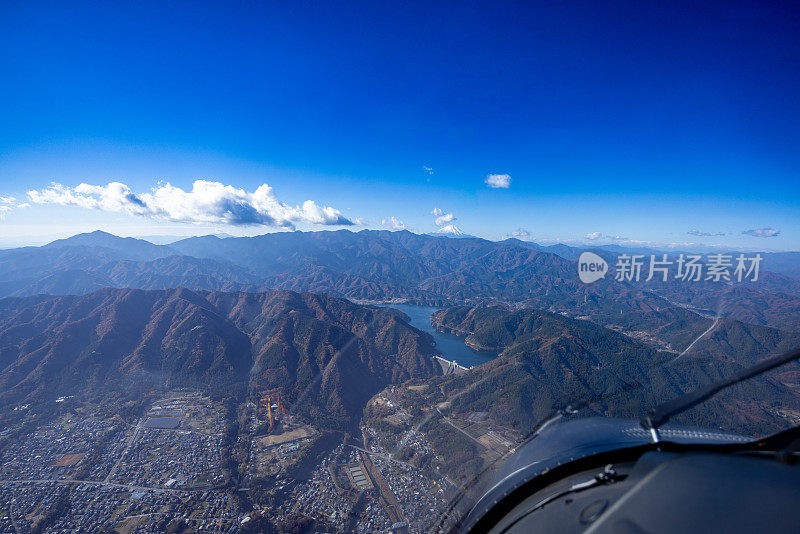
(126, 247)
(97, 238)
(451, 229)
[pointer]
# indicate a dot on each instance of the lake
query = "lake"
(452, 347)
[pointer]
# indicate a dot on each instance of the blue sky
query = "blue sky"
(630, 122)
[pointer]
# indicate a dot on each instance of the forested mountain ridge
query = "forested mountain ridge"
(328, 354)
(382, 265)
(495, 328)
(548, 362)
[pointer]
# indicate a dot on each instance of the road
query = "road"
(128, 446)
(388, 499)
(701, 336)
(97, 483)
(11, 515)
(207, 520)
(390, 458)
(470, 436)
(384, 456)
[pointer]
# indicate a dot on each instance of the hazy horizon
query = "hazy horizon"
(167, 239)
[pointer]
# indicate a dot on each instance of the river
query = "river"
(452, 347)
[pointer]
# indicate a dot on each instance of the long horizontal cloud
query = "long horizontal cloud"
(700, 233)
(207, 202)
(763, 232)
(593, 236)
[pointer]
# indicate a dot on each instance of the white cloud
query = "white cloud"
(594, 236)
(393, 223)
(521, 234)
(206, 203)
(7, 203)
(442, 218)
(498, 181)
(705, 234)
(763, 232)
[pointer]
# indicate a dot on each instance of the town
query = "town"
(88, 473)
(164, 469)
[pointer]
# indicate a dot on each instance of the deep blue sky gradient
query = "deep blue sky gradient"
(640, 119)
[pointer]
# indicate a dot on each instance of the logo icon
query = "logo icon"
(591, 267)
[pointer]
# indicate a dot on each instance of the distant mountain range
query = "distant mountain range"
(328, 355)
(383, 265)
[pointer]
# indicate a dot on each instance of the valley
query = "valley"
(203, 393)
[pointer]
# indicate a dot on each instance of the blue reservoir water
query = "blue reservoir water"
(452, 347)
